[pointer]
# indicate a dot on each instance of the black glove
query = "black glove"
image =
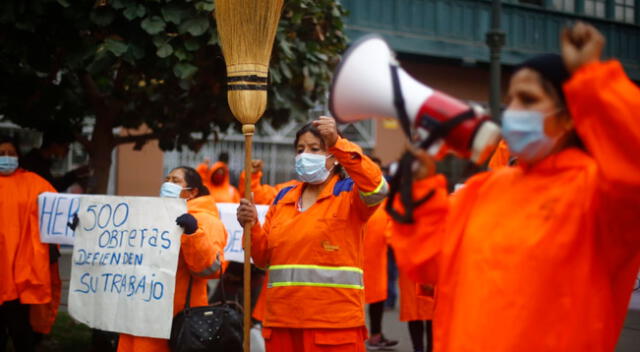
(188, 223)
(74, 222)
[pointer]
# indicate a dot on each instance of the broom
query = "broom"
(247, 29)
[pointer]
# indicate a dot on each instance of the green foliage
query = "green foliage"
(153, 62)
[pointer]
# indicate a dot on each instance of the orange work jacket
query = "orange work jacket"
(540, 257)
(224, 192)
(24, 261)
(201, 256)
(314, 258)
(262, 193)
(375, 256)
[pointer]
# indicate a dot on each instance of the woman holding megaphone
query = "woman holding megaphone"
(541, 256)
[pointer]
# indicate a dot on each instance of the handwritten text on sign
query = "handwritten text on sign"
(55, 210)
(124, 264)
(233, 250)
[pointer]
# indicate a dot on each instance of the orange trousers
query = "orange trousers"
(314, 340)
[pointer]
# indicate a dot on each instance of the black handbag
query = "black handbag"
(217, 327)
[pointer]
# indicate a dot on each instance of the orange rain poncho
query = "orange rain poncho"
(224, 192)
(414, 305)
(24, 261)
(500, 157)
(375, 256)
(198, 259)
(539, 258)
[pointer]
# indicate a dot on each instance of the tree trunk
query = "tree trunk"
(102, 140)
(100, 163)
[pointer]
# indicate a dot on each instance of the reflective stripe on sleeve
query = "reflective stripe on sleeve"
(212, 269)
(315, 275)
(377, 195)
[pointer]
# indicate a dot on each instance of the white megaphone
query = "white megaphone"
(369, 83)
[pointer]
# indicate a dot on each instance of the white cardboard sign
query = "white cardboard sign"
(124, 264)
(233, 250)
(55, 210)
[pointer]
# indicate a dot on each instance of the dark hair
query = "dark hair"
(11, 140)
(309, 127)
(193, 180)
(223, 157)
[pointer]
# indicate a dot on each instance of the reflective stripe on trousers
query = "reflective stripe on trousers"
(315, 275)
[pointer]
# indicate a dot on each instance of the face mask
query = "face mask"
(8, 164)
(524, 133)
(311, 168)
(170, 190)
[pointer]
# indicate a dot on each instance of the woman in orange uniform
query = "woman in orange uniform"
(201, 250)
(541, 256)
(216, 179)
(30, 288)
(311, 244)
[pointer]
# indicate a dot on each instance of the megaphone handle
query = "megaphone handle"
(398, 100)
(403, 182)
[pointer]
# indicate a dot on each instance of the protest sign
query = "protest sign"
(124, 264)
(233, 250)
(55, 210)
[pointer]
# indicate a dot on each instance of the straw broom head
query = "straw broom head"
(247, 29)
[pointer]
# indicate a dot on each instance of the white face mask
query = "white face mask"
(170, 190)
(312, 168)
(524, 132)
(8, 164)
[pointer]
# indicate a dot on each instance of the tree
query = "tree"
(129, 63)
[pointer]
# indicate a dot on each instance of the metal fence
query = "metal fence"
(273, 147)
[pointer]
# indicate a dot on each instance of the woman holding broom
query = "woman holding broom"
(311, 244)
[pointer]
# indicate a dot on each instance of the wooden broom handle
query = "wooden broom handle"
(248, 131)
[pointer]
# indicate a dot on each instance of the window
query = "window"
(595, 8)
(624, 11)
(564, 5)
(532, 2)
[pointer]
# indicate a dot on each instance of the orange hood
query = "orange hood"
(204, 204)
(219, 165)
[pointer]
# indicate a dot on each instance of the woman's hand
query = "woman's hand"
(256, 166)
(581, 44)
(247, 213)
(328, 130)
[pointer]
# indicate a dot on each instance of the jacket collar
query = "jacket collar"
(568, 158)
(293, 195)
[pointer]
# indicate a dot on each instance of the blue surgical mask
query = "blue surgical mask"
(170, 190)
(524, 132)
(8, 164)
(311, 168)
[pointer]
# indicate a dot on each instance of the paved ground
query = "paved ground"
(629, 339)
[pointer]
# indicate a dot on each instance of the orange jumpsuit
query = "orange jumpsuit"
(540, 257)
(315, 298)
(224, 192)
(197, 258)
(25, 270)
(375, 256)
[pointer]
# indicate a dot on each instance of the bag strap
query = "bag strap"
(187, 303)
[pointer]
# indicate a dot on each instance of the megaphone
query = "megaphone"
(369, 83)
